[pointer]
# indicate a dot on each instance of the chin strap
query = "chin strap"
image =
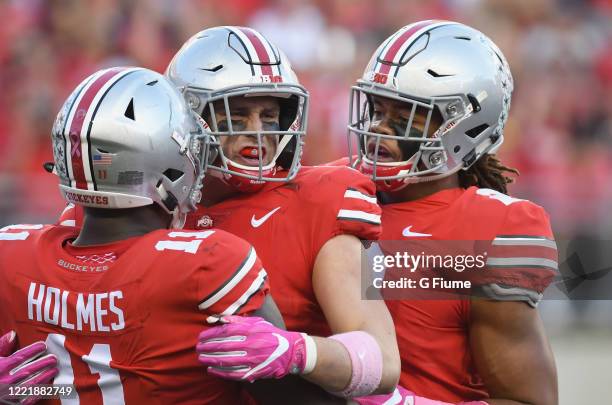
(282, 144)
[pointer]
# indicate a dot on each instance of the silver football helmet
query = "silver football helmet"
(448, 70)
(125, 138)
(220, 63)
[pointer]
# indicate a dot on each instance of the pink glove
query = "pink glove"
(249, 348)
(24, 367)
(402, 396)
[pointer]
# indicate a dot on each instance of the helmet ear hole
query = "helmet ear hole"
(474, 132)
(173, 174)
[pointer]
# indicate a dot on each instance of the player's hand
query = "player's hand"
(249, 348)
(27, 366)
(403, 396)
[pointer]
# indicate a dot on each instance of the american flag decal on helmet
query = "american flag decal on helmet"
(102, 159)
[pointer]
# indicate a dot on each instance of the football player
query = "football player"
(305, 222)
(121, 300)
(428, 115)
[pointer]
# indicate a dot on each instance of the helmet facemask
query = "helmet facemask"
(288, 135)
(418, 138)
(197, 147)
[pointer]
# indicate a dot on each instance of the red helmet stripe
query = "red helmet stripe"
(392, 49)
(262, 52)
(75, 133)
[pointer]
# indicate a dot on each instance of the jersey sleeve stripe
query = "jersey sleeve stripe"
(260, 285)
(20, 227)
(244, 298)
(5, 233)
(523, 251)
(505, 293)
(226, 287)
(353, 215)
(524, 241)
(14, 236)
(521, 262)
(352, 193)
(522, 237)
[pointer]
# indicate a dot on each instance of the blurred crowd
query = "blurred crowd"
(560, 129)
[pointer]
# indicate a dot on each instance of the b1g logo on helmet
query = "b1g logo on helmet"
(379, 78)
(268, 79)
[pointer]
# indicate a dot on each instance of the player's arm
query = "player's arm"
(270, 312)
(336, 280)
(507, 339)
(239, 287)
(360, 359)
(512, 354)
(276, 392)
(337, 285)
(273, 392)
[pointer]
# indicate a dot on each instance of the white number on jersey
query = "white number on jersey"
(98, 360)
(190, 246)
(17, 235)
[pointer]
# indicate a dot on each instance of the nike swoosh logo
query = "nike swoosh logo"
(409, 234)
(256, 223)
(283, 346)
(396, 399)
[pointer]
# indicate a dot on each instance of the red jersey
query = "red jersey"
(288, 223)
(123, 318)
(433, 335)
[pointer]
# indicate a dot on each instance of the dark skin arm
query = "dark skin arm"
(512, 353)
(270, 312)
(276, 392)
